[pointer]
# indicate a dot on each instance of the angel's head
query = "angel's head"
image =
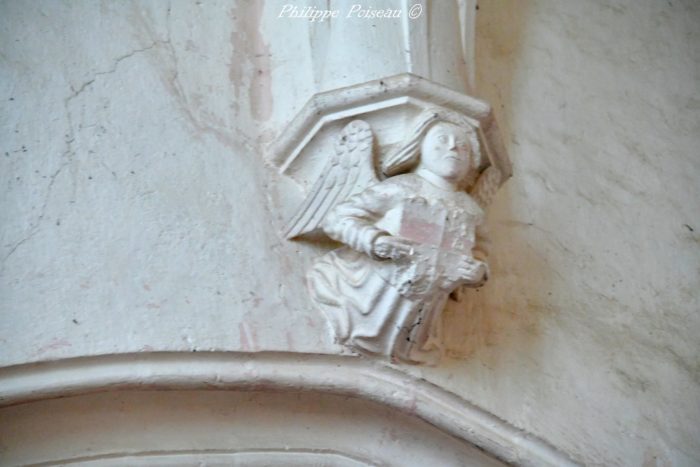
(443, 143)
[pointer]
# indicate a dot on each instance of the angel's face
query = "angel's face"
(445, 151)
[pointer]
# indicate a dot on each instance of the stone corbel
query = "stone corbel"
(399, 170)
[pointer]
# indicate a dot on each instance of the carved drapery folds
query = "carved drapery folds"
(399, 171)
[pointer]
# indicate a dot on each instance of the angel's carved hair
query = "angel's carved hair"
(408, 154)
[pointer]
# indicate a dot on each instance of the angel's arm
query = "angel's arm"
(352, 222)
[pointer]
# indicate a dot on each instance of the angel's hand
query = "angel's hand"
(473, 273)
(390, 247)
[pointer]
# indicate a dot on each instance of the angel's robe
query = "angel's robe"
(392, 307)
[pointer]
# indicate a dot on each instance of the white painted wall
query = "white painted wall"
(135, 212)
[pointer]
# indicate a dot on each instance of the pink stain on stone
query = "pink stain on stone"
(54, 344)
(422, 232)
(243, 332)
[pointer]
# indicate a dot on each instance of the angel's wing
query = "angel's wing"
(486, 186)
(349, 170)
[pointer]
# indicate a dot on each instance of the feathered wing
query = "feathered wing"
(486, 186)
(349, 170)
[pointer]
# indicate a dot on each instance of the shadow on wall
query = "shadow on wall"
(504, 315)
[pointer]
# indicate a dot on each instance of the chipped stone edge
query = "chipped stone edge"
(274, 371)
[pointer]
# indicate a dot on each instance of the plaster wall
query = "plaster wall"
(137, 214)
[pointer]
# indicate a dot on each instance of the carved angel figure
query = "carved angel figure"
(409, 239)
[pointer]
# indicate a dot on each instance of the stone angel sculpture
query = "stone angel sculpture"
(409, 237)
